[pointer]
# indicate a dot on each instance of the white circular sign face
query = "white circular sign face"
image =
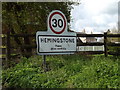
(57, 22)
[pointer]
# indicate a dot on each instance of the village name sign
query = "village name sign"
(57, 39)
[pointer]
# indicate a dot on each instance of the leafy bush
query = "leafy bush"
(67, 71)
(101, 73)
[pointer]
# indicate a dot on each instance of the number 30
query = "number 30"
(57, 23)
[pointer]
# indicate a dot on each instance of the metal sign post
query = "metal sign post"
(44, 63)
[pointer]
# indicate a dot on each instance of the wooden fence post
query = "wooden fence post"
(8, 46)
(105, 44)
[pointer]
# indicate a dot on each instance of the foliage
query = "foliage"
(28, 18)
(67, 71)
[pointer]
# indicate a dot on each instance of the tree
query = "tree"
(28, 18)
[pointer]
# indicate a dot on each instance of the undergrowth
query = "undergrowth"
(64, 71)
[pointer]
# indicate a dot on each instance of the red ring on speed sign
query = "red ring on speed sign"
(52, 27)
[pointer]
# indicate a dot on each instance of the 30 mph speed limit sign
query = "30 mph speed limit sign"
(56, 40)
(57, 22)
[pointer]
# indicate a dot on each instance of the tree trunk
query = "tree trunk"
(28, 50)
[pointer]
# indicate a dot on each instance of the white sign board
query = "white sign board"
(57, 40)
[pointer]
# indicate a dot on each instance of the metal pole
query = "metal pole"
(44, 63)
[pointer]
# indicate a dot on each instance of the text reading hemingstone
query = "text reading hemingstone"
(57, 40)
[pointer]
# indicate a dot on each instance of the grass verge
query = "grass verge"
(64, 71)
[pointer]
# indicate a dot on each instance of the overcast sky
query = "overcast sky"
(95, 15)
